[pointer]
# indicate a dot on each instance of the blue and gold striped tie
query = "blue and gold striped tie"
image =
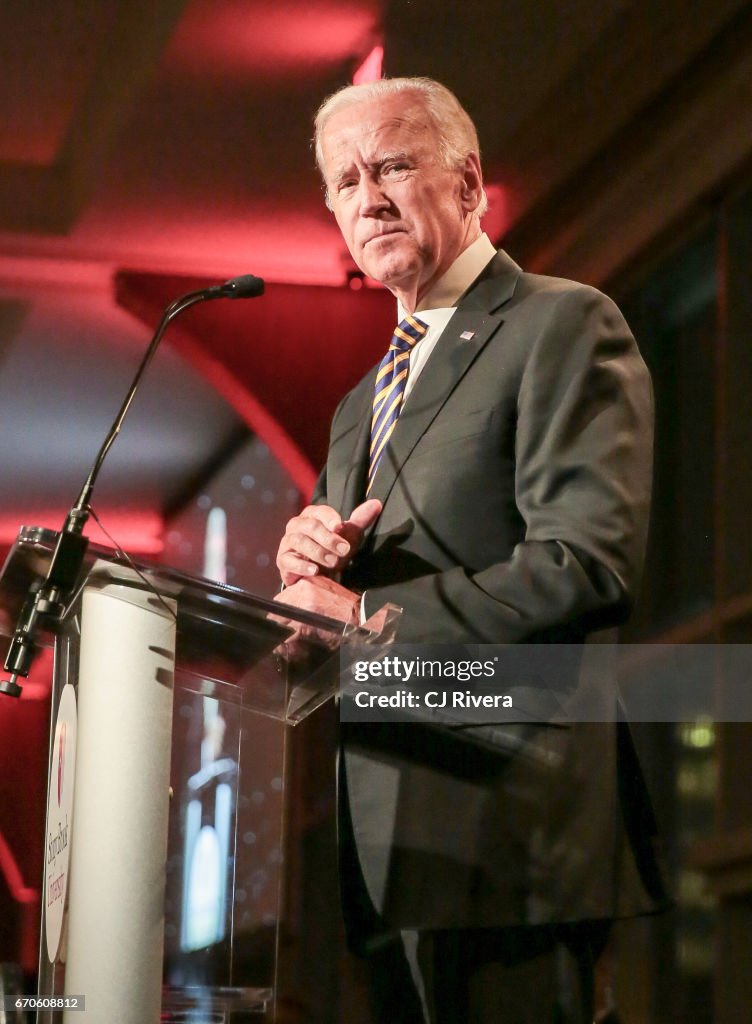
(389, 390)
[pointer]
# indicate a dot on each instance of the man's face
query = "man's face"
(403, 214)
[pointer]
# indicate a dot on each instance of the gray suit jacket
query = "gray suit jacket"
(516, 491)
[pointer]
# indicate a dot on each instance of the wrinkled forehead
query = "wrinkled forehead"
(367, 131)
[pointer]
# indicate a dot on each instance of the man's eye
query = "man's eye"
(348, 183)
(395, 168)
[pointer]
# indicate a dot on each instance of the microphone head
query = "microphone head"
(247, 286)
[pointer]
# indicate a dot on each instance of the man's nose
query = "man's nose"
(372, 197)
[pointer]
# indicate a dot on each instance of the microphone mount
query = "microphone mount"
(46, 599)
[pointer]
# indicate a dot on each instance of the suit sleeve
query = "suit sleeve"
(318, 497)
(583, 463)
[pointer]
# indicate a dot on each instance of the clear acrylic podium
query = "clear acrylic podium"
(168, 907)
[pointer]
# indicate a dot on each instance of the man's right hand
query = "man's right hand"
(319, 541)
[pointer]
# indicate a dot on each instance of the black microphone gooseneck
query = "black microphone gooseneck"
(46, 597)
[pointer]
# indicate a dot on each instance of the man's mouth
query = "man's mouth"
(384, 234)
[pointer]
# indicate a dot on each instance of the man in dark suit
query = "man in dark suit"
(493, 481)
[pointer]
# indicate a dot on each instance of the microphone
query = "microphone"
(244, 287)
(46, 598)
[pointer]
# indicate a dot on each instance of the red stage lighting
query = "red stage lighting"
(371, 68)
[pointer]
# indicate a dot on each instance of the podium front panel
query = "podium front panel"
(184, 692)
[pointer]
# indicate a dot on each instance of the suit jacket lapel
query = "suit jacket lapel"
(463, 338)
(474, 322)
(353, 492)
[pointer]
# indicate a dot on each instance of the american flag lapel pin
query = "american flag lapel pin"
(467, 335)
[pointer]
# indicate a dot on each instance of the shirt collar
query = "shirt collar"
(457, 278)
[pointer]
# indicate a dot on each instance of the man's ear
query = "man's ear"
(471, 188)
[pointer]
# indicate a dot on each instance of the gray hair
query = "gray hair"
(454, 128)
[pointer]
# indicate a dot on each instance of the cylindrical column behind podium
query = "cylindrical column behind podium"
(120, 817)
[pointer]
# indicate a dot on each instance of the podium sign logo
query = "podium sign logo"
(59, 816)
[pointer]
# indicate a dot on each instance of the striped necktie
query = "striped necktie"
(389, 390)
